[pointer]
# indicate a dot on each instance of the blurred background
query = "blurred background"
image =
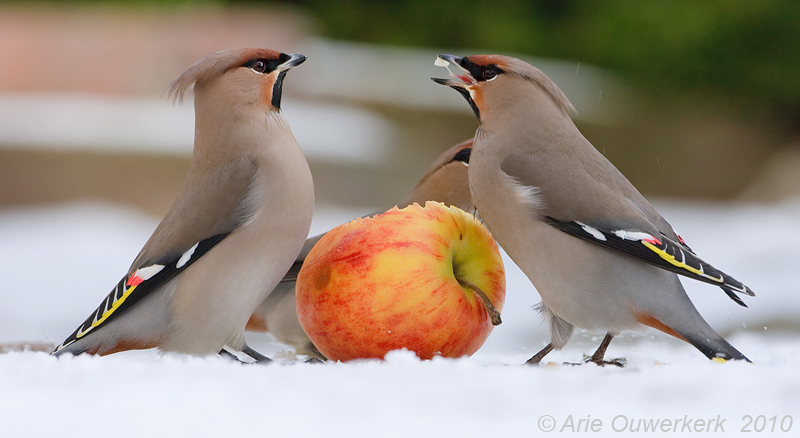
(689, 99)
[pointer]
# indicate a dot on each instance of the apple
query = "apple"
(429, 279)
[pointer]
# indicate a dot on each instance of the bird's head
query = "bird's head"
(446, 180)
(242, 77)
(480, 77)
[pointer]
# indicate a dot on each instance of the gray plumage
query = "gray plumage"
(247, 198)
(592, 245)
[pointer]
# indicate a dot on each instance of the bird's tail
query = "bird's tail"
(684, 322)
(72, 348)
(714, 346)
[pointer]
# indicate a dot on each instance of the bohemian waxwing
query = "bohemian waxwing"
(598, 253)
(236, 227)
(445, 181)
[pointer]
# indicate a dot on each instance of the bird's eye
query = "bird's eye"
(489, 74)
(259, 66)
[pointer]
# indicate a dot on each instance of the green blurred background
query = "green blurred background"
(696, 99)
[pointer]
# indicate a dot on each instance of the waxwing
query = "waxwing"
(598, 253)
(235, 228)
(445, 181)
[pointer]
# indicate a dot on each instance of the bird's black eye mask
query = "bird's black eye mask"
(462, 155)
(481, 72)
(266, 66)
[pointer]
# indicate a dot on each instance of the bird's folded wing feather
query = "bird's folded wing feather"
(598, 204)
(137, 285)
(210, 206)
(212, 201)
(660, 251)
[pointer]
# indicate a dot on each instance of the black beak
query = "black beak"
(459, 78)
(295, 59)
(457, 81)
(445, 58)
(441, 81)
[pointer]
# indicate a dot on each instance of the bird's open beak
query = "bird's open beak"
(459, 76)
(295, 59)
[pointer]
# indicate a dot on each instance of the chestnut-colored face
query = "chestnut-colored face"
(470, 75)
(264, 64)
(272, 67)
(240, 78)
(482, 67)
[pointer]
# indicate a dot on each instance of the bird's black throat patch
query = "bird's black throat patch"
(464, 92)
(277, 90)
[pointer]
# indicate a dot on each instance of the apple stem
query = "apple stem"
(493, 313)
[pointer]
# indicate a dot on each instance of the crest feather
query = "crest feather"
(212, 67)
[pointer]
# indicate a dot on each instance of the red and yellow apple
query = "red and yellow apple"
(429, 279)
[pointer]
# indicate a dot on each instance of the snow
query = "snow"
(58, 262)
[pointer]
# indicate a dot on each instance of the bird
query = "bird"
(236, 226)
(599, 254)
(444, 181)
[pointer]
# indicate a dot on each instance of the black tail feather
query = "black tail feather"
(714, 348)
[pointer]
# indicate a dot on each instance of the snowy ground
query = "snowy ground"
(57, 263)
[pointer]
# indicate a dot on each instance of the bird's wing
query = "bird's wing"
(602, 207)
(660, 251)
(134, 286)
(209, 207)
(212, 201)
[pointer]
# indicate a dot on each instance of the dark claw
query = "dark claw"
(228, 355)
(258, 357)
(617, 362)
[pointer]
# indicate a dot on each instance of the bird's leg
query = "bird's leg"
(314, 354)
(600, 353)
(259, 358)
(537, 358)
(228, 355)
